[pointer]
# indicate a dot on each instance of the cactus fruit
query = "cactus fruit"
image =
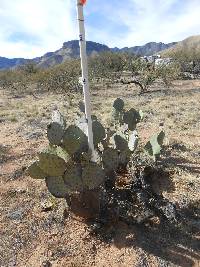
(133, 141)
(98, 132)
(55, 133)
(154, 146)
(73, 177)
(57, 187)
(53, 161)
(74, 140)
(35, 171)
(131, 118)
(92, 176)
(110, 159)
(118, 104)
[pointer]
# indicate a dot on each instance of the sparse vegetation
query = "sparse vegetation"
(106, 68)
(156, 192)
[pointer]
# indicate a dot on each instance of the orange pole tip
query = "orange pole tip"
(83, 2)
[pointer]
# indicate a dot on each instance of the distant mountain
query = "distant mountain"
(147, 49)
(6, 63)
(70, 50)
(189, 44)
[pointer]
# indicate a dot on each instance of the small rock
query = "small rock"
(47, 205)
(16, 215)
(34, 135)
(46, 264)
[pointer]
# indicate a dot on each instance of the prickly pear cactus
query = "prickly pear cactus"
(70, 168)
(120, 142)
(93, 176)
(35, 171)
(131, 118)
(118, 104)
(110, 159)
(154, 146)
(55, 132)
(118, 111)
(98, 132)
(124, 158)
(57, 187)
(74, 140)
(73, 177)
(53, 161)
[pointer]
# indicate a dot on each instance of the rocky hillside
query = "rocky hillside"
(147, 49)
(189, 44)
(71, 50)
(6, 63)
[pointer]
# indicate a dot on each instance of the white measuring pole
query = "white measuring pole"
(84, 67)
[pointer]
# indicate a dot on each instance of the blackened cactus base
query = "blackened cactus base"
(134, 203)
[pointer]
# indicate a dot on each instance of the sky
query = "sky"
(30, 28)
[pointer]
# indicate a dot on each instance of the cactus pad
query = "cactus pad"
(35, 171)
(154, 146)
(57, 187)
(110, 159)
(98, 132)
(118, 104)
(73, 177)
(53, 161)
(55, 133)
(121, 143)
(161, 137)
(93, 176)
(117, 116)
(124, 157)
(131, 118)
(74, 140)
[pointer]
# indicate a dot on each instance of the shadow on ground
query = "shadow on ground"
(174, 244)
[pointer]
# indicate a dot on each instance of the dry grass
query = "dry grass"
(31, 237)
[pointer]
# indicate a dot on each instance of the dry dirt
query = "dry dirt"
(35, 231)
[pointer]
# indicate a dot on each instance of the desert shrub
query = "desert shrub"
(188, 59)
(63, 77)
(168, 73)
(107, 65)
(28, 68)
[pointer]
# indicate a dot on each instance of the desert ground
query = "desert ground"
(35, 228)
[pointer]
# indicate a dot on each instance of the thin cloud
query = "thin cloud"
(34, 27)
(150, 20)
(43, 25)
